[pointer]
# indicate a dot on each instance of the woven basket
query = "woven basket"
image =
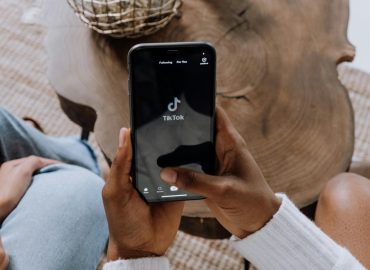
(125, 18)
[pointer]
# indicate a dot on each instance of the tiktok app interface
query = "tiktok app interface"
(173, 106)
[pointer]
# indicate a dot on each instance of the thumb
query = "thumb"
(192, 181)
(120, 171)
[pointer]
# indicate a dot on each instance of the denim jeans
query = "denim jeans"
(60, 221)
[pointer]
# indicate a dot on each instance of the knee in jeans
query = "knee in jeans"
(344, 191)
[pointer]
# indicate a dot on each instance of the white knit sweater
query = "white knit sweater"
(288, 241)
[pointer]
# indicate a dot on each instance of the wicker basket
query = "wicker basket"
(125, 18)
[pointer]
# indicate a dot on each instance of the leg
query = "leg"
(343, 212)
(59, 223)
(18, 139)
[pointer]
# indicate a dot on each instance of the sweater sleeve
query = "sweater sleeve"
(291, 241)
(152, 263)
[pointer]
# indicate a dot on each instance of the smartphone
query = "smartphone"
(172, 104)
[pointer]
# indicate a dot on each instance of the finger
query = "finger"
(34, 163)
(223, 124)
(14, 162)
(121, 167)
(223, 121)
(192, 181)
(169, 211)
(172, 209)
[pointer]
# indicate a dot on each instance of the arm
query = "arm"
(240, 199)
(275, 234)
(15, 178)
(290, 240)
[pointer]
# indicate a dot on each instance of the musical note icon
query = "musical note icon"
(173, 105)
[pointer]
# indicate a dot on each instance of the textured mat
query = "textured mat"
(358, 84)
(25, 91)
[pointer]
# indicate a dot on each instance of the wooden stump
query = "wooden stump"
(277, 80)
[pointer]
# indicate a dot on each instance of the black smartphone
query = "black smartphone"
(172, 103)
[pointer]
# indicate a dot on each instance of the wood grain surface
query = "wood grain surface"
(276, 78)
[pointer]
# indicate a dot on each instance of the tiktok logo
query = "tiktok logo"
(173, 105)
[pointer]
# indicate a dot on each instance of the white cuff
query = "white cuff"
(151, 263)
(291, 241)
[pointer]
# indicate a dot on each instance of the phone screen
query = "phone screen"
(172, 108)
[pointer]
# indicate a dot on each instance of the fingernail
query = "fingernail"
(169, 176)
(121, 139)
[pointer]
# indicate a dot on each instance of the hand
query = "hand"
(136, 229)
(239, 196)
(15, 178)
(4, 259)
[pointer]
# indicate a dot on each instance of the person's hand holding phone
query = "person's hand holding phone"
(239, 195)
(15, 178)
(136, 229)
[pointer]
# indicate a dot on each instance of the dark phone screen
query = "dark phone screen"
(172, 99)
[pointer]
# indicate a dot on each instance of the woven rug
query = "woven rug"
(25, 91)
